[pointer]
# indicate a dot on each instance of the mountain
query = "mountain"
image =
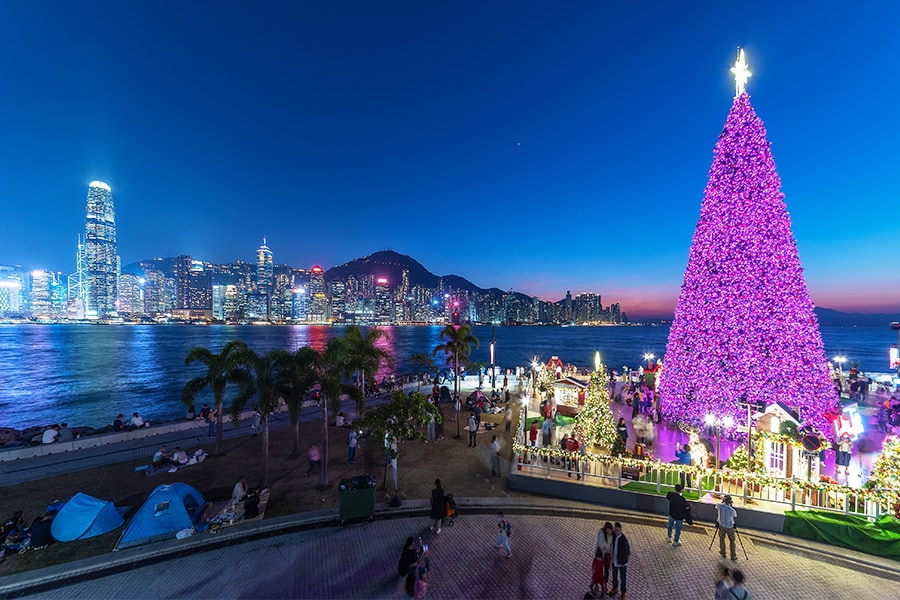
(390, 265)
(830, 317)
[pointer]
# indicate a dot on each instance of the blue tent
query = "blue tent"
(169, 509)
(83, 517)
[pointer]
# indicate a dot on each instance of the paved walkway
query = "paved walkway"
(552, 544)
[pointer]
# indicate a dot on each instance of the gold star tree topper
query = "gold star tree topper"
(741, 73)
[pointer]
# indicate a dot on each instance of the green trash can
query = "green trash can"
(356, 504)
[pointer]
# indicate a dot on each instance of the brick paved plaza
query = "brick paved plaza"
(551, 559)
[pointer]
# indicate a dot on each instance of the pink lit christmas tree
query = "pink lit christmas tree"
(744, 324)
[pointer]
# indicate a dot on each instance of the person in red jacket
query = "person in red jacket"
(572, 447)
(532, 439)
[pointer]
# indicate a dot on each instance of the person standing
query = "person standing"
(438, 506)
(598, 581)
(683, 457)
(532, 440)
(572, 447)
(622, 430)
(620, 555)
(507, 418)
(842, 457)
(547, 432)
(473, 430)
(503, 534)
(211, 423)
(352, 443)
(737, 591)
(725, 521)
(678, 508)
(605, 539)
(495, 456)
(257, 419)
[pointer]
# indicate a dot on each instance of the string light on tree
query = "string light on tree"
(594, 425)
(744, 324)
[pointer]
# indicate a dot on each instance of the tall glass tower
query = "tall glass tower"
(100, 260)
(264, 267)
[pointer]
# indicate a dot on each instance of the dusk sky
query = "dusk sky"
(540, 146)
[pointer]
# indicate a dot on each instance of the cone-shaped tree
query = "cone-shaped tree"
(744, 324)
(594, 425)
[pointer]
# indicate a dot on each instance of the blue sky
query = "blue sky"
(540, 146)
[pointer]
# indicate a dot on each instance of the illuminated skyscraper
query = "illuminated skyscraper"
(317, 299)
(100, 260)
(264, 267)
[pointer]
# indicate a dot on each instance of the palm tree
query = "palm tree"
(364, 357)
(267, 378)
(219, 368)
(302, 376)
(333, 368)
(457, 347)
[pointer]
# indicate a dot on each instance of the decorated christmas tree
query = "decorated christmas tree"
(744, 325)
(594, 425)
(886, 470)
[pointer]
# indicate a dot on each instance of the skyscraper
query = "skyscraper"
(100, 260)
(317, 299)
(264, 267)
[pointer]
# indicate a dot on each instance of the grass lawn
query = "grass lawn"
(465, 472)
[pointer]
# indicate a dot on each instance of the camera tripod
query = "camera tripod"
(736, 532)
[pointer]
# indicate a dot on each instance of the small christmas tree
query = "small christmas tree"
(886, 470)
(594, 425)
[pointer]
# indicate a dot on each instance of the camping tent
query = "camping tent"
(168, 510)
(83, 517)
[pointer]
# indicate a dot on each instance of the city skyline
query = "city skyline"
(567, 147)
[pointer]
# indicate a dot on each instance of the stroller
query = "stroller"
(451, 511)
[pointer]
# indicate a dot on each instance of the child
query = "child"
(598, 580)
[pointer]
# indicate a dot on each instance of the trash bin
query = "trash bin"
(356, 498)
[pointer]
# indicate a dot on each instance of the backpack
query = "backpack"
(508, 528)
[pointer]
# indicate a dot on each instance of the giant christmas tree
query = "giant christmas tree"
(744, 324)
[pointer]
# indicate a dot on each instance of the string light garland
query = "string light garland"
(744, 325)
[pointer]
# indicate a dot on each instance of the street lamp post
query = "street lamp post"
(840, 360)
(718, 423)
(493, 341)
(649, 358)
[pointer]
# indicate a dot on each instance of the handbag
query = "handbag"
(687, 515)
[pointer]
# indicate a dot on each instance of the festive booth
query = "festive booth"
(555, 366)
(784, 455)
(568, 395)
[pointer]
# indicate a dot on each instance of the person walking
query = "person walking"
(723, 584)
(352, 444)
(737, 591)
(438, 506)
(725, 523)
(473, 430)
(547, 432)
(495, 456)
(507, 418)
(314, 458)
(503, 534)
(678, 509)
(257, 419)
(620, 555)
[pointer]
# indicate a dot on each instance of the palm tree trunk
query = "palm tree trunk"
(457, 401)
(265, 453)
(323, 479)
(219, 421)
(297, 437)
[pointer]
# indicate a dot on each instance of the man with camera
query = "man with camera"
(725, 525)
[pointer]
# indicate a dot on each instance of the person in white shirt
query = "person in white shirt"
(136, 421)
(50, 435)
(239, 491)
(727, 515)
(495, 457)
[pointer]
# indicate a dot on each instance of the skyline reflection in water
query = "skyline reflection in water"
(86, 374)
